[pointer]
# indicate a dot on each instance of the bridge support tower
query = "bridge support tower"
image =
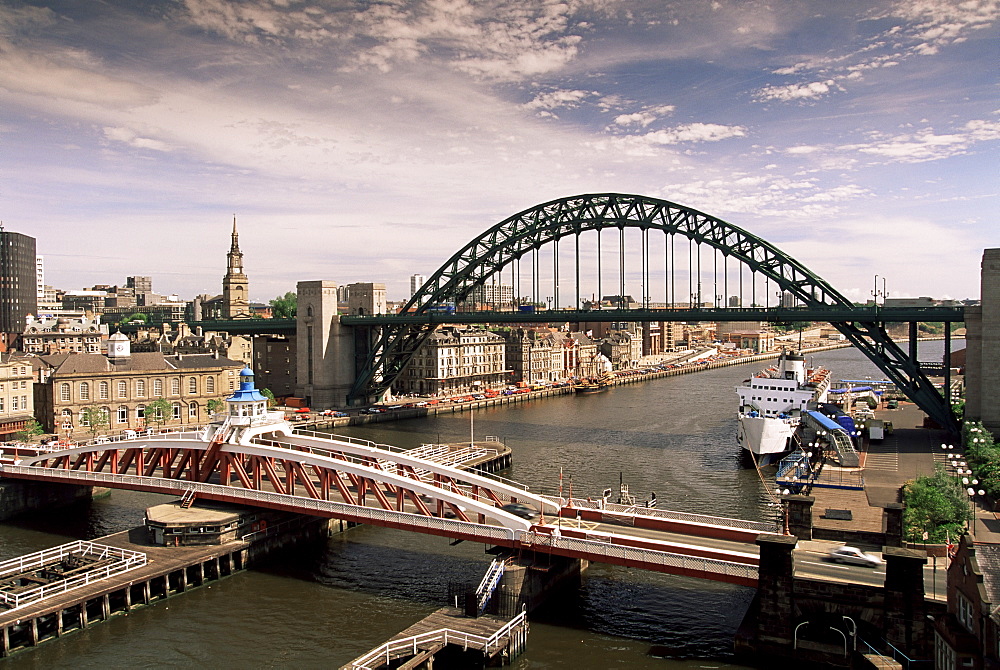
(325, 347)
(982, 363)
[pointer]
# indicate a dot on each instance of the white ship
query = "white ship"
(771, 405)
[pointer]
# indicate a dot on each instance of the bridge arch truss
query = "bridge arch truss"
(384, 355)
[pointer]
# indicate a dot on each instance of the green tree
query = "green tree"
(158, 411)
(138, 316)
(284, 306)
(95, 418)
(215, 405)
(935, 504)
(31, 429)
(269, 394)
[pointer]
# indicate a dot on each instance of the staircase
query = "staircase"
(187, 500)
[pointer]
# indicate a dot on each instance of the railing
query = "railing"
(411, 645)
(300, 503)
(491, 580)
(639, 510)
(126, 560)
(585, 548)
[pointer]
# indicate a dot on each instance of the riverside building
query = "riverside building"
(122, 384)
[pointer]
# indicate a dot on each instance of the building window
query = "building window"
(193, 411)
(123, 414)
(944, 655)
(140, 388)
(13, 404)
(67, 419)
(140, 412)
(176, 407)
(103, 390)
(84, 391)
(175, 386)
(83, 419)
(64, 392)
(157, 388)
(210, 385)
(965, 614)
(192, 385)
(122, 390)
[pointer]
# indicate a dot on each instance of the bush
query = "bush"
(983, 456)
(936, 504)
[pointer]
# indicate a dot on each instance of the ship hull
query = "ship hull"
(766, 439)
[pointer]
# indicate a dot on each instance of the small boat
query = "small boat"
(592, 385)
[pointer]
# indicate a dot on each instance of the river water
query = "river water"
(325, 605)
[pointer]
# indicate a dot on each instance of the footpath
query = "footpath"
(911, 451)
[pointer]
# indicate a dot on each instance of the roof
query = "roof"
(988, 558)
(151, 361)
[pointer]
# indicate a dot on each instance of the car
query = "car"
(853, 556)
(520, 509)
(892, 404)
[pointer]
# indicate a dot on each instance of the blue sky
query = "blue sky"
(366, 141)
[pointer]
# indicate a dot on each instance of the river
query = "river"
(325, 605)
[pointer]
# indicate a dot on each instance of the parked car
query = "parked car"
(520, 509)
(853, 556)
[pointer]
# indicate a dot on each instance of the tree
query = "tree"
(158, 411)
(269, 394)
(215, 405)
(31, 429)
(935, 504)
(138, 316)
(284, 306)
(95, 418)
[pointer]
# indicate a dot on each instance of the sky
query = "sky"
(368, 141)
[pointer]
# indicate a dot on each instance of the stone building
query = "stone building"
(456, 360)
(529, 355)
(17, 405)
(182, 340)
(63, 335)
(123, 384)
(622, 348)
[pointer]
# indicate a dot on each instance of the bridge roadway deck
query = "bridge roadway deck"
(160, 561)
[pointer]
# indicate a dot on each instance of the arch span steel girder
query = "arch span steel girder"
(537, 226)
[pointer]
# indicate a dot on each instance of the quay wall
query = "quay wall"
(18, 496)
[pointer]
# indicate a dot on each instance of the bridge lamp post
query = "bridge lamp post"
(972, 493)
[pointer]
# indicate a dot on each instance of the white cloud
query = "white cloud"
(130, 138)
(558, 99)
(810, 91)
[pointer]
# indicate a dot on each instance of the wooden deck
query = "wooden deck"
(454, 619)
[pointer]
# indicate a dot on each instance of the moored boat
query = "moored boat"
(771, 406)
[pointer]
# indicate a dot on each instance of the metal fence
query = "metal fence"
(656, 513)
(123, 560)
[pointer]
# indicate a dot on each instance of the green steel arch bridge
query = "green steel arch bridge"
(554, 255)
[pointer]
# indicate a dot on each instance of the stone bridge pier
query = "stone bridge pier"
(824, 621)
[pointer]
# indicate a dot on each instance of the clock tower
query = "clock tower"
(235, 285)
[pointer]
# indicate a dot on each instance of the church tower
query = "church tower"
(235, 285)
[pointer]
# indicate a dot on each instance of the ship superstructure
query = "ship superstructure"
(772, 402)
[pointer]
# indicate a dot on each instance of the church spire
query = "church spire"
(235, 285)
(236, 238)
